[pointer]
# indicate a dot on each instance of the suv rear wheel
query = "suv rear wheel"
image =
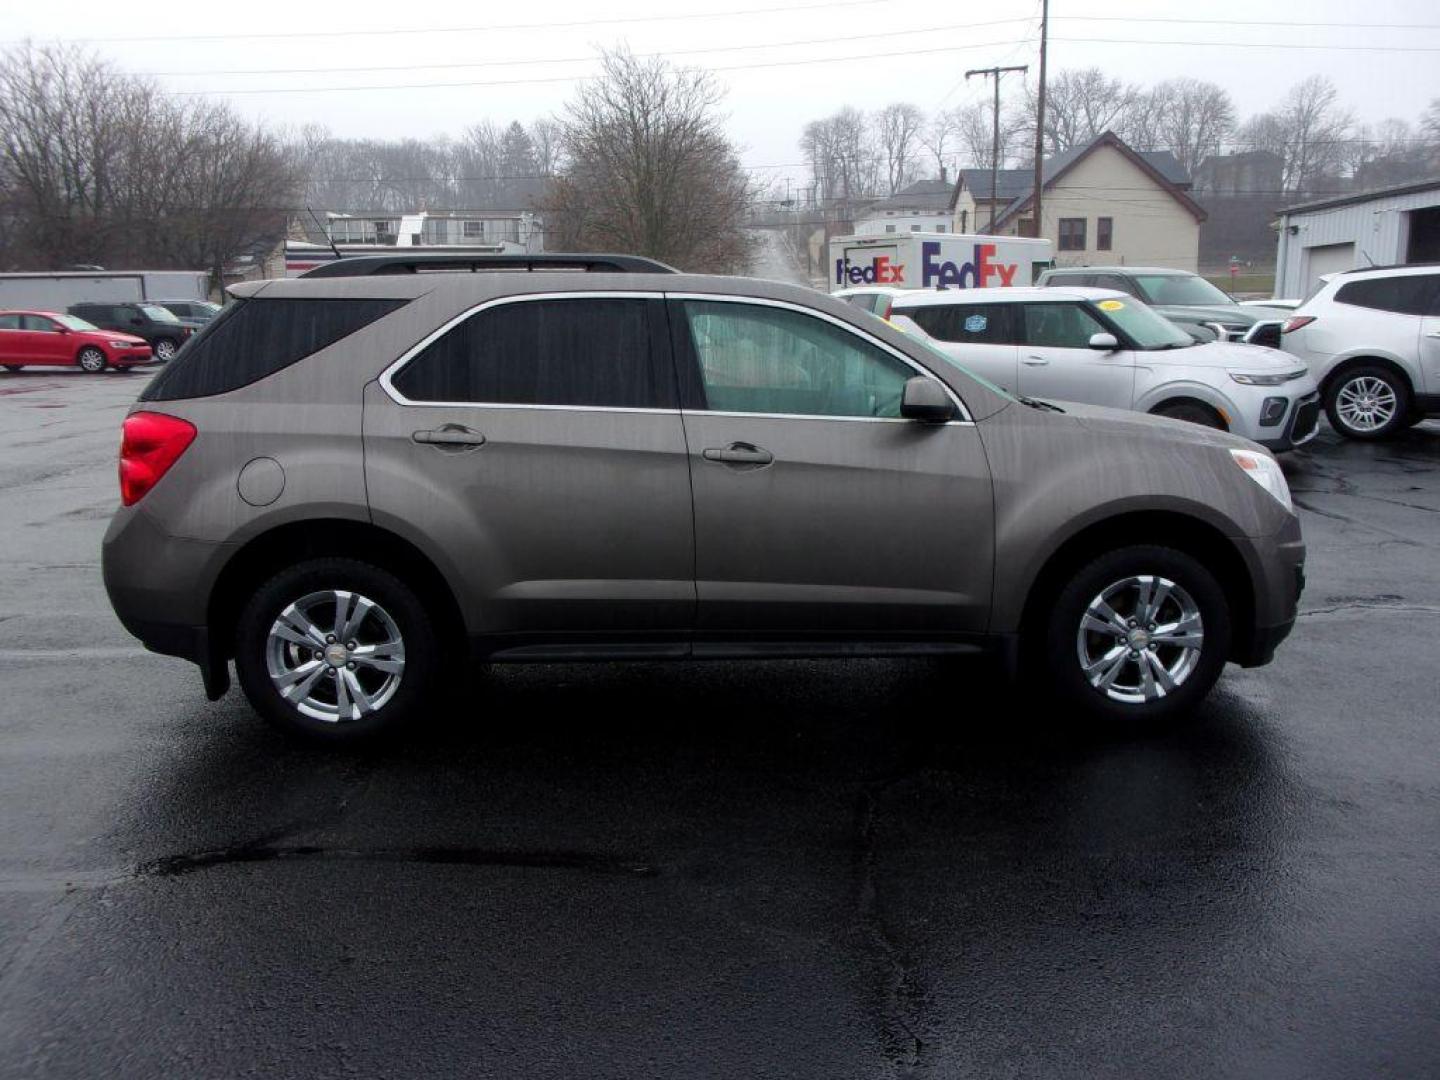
(1138, 635)
(1368, 402)
(336, 650)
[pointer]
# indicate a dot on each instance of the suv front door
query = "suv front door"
(818, 510)
(537, 443)
(1056, 360)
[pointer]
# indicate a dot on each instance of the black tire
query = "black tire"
(1355, 378)
(403, 708)
(91, 360)
(1062, 642)
(164, 349)
(14, 367)
(1192, 412)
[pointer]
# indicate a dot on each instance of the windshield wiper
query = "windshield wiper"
(1035, 403)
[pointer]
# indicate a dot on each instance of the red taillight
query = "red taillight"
(149, 444)
(1295, 322)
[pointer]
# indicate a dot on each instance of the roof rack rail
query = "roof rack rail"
(1390, 266)
(429, 262)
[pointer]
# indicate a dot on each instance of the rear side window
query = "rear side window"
(1413, 294)
(969, 324)
(598, 352)
(255, 338)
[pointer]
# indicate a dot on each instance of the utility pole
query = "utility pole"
(1040, 120)
(995, 73)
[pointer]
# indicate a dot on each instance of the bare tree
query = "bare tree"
(1192, 119)
(937, 138)
(545, 137)
(649, 169)
(1079, 105)
(1310, 133)
(974, 130)
(897, 130)
(842, 156)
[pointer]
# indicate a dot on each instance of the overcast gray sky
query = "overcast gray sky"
(754, 47)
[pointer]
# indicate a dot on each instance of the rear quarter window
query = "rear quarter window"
(971, 324)
(255, 338)
(1413, 294)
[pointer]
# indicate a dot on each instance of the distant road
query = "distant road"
(774, 260)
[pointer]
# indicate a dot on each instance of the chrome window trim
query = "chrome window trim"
(386, 376)
(918, 368)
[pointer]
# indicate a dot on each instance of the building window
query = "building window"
(1104, 231)
(939, 228)
(1072, 234)
(964, 221)
(476, 229)
(889, 228)
(914, 228)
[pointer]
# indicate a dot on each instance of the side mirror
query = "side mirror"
(1104, 342)
(926, 400)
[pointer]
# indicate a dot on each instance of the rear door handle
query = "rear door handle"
(739, 454)
(450, 435)
(1035, 361)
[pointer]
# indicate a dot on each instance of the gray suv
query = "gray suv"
(355, 484)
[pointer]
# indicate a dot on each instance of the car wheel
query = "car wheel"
(336, 651)
(92, 360)
(1192, 412)
(1138, 635)
(1369, 402)
(165, 349)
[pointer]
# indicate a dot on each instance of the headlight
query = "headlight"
(1264, 471)
(1267, 380)
(119, 344)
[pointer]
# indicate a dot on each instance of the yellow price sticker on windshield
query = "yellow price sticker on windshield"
(1110, 305)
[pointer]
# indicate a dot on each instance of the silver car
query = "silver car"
(352, 485)
(1104, 347)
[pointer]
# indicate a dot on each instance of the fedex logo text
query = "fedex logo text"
(881, 271)
(976, 274)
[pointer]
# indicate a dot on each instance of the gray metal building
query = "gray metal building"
(1368, 228)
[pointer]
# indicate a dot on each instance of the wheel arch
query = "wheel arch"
(284, 545)
(1350, 363)
(1186, 397)
(1190, 534)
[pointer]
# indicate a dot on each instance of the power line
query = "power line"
(1249, 22)
(580, 78)
(582, 59)
(1253, 45)
(492, 28)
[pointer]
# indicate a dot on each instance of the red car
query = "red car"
(45, 337)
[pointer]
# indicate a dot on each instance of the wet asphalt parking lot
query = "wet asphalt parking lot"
(790, 869)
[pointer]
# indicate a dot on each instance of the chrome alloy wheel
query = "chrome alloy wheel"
(1140, 639)
(1366, 403)
(165, 349)
(335, 655)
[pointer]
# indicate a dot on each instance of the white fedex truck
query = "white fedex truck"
(921, 260)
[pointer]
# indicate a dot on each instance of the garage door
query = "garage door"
(1326, 259)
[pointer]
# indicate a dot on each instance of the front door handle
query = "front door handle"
(739, 454)
(450, 435)
(1035, 361)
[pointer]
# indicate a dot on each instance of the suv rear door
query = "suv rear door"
(818, 511)
(537, 442)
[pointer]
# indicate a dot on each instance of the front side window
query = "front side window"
(1411, 294)
(968, 324)
(756, 359)
(1143, 326)
(582, 352)
(1072, 234)
(156, 313)
(1059, 326)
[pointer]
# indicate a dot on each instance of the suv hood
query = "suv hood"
(1132, 425)
(1230, 314)
(1230, 355)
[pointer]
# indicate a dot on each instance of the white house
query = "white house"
(1369, 228)
(1104, 204)
(924, 206)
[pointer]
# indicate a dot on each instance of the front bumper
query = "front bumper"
(1300, 424)
(1277, 569)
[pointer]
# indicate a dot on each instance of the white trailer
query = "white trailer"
(921, 260)
(56, 292)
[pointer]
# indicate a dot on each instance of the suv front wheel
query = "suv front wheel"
(1368, 402)
(336, 650)
(1138, 635)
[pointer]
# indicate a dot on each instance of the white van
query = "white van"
(930, 260)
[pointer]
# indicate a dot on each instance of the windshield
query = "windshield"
(933, 351)
(1180, 290)
(70, 322)
(156, 313)
(1146, 328)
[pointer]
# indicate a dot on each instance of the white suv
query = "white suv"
(1104, 347)
(1372, 341)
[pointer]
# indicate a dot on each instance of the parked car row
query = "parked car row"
(96, 336)
(1365, 346)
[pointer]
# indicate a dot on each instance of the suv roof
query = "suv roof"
(1008, 295)
(1121, 270)
(1393, 270)
(429, 262)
